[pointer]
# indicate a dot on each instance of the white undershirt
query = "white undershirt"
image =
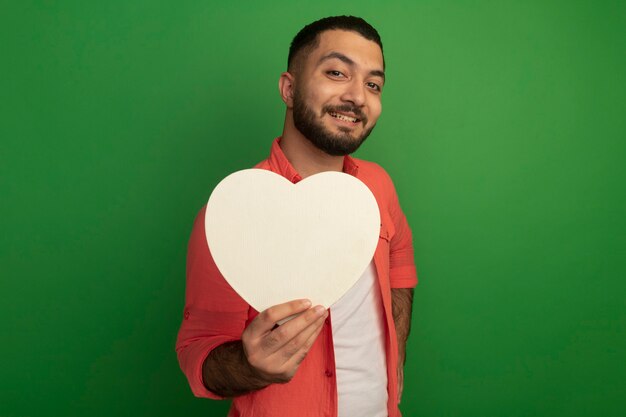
(359, 342)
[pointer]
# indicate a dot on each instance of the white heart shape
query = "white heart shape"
(275, 241)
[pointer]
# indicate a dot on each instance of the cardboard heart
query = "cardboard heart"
(275, 241)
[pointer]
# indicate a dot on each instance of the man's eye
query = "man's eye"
(374, 86)
(335, 73)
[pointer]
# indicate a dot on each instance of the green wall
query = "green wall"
(503, 127)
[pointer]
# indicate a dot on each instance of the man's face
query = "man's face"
(337, 92)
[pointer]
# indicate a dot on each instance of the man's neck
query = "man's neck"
(305, 157)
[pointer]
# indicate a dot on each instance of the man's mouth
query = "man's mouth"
(344, 117)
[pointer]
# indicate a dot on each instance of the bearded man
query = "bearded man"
(346, 361)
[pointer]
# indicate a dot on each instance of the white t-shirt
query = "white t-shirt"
(359, 343)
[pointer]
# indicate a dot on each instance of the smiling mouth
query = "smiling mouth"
(344, 117)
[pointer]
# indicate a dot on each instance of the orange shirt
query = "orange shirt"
(214, 313)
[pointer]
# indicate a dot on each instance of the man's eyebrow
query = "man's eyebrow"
(337, 55)
(378, 73)
(348, 61)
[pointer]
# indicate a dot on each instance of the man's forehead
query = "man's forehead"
(349, 43)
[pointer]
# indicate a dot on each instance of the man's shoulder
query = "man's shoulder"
(372, 172)
(377, 180)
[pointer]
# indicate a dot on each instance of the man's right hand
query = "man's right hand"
(275, 352)
(266, 353)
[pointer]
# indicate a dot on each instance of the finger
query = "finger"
(301, 345)
(265, 321)
(290, 333)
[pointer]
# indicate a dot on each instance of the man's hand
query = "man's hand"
(275, 353)
(267, 353)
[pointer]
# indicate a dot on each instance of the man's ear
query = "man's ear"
(286, 88)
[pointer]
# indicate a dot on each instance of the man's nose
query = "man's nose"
(354, 93)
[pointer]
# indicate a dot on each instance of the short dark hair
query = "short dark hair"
(308, 37)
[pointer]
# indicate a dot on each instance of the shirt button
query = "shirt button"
(186, 315)
(328, 373)
(327, 321)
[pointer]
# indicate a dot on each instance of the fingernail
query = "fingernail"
(319, 310)
(306, 303)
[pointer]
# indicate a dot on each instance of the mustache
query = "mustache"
(346, 108)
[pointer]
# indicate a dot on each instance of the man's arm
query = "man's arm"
(265, 354)
(401, 308)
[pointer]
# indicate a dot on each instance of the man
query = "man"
(347, 361)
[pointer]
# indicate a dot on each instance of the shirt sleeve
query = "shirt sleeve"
(214, 313)
(402, 271)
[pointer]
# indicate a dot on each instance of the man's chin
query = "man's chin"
(339, 146)
(347, 131)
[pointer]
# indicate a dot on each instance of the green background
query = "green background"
(503, 128)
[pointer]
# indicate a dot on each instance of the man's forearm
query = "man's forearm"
(401, 307)
(227, 373)
(266, 353)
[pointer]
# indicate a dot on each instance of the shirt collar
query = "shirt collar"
(281, 165)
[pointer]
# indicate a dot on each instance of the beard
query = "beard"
(312, 128)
